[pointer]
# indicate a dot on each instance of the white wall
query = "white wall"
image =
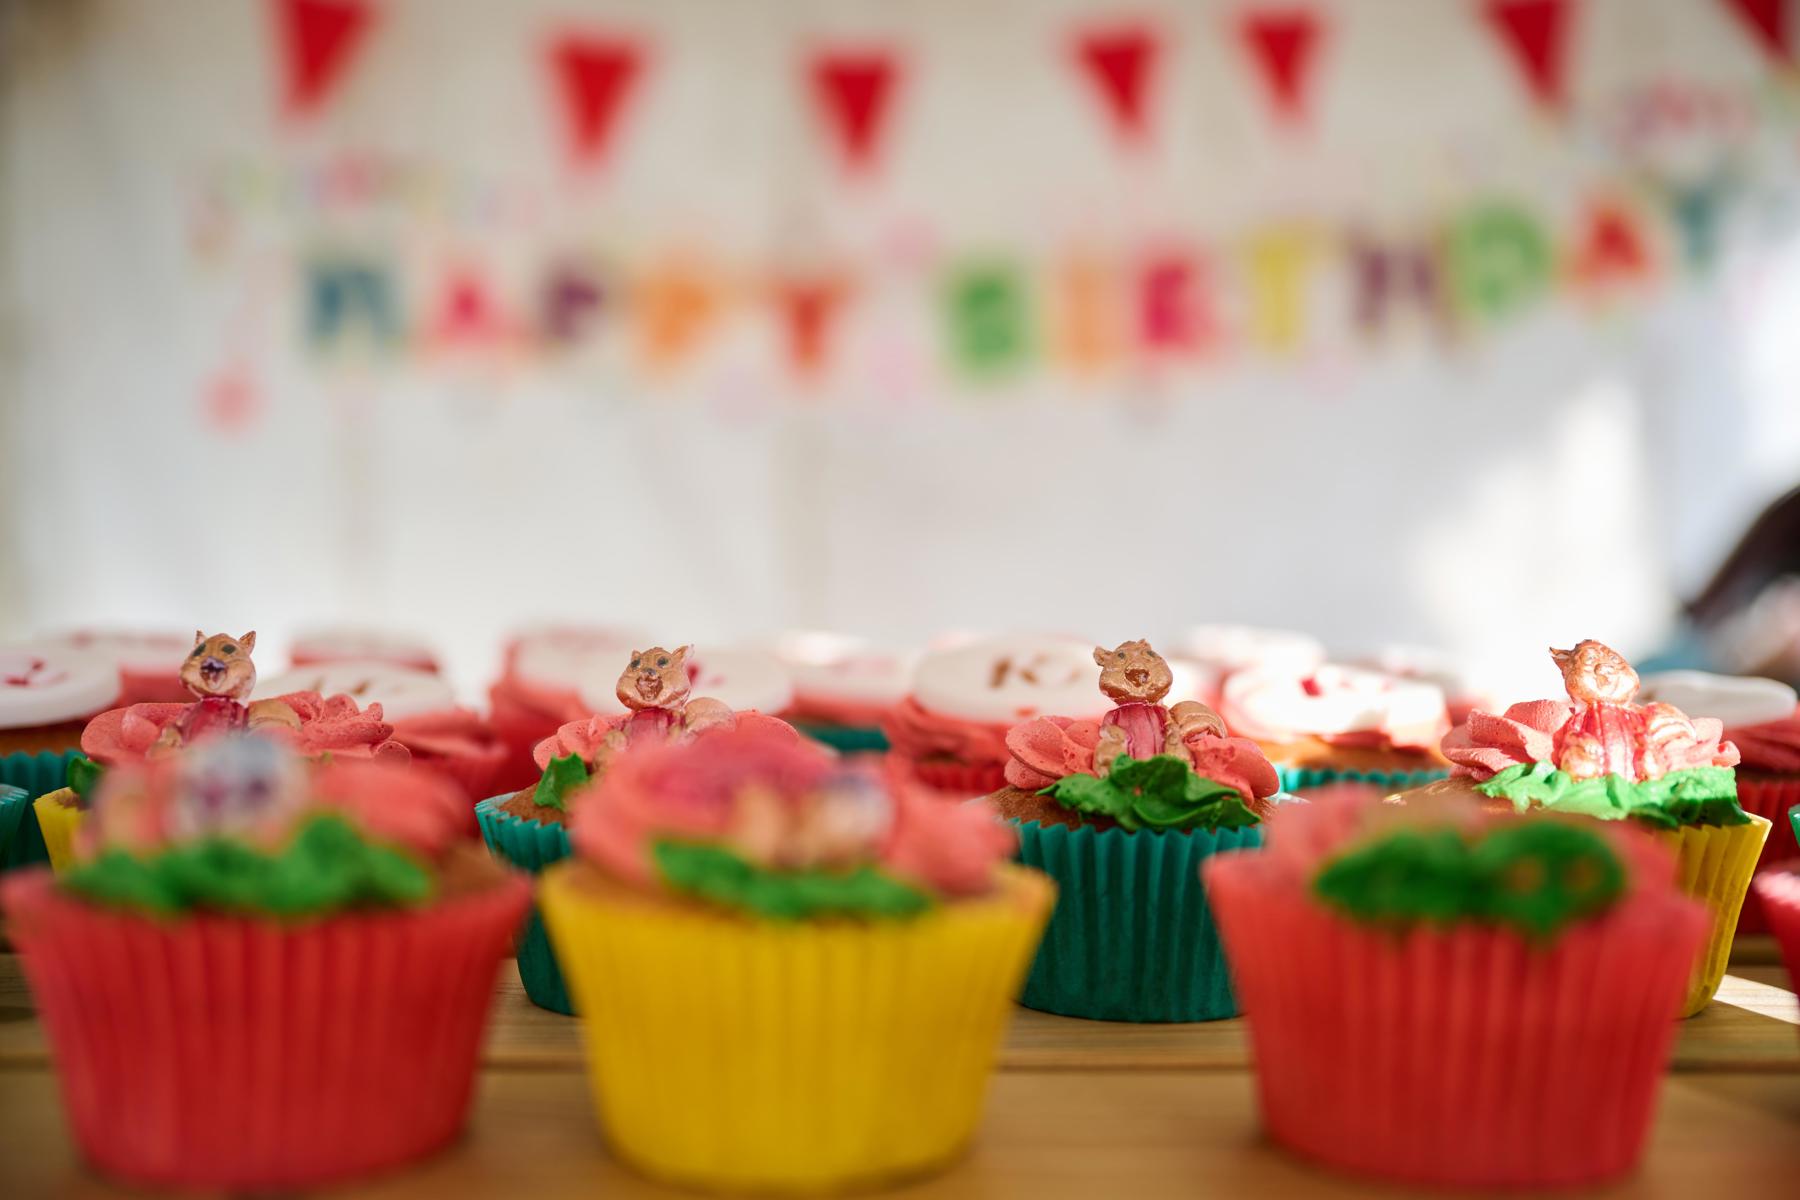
(1564, 476)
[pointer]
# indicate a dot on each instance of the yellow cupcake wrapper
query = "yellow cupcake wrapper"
(733, 1052)
(1715, 863)
(59, 823)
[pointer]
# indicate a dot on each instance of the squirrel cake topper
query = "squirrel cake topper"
(220, 674)
(220, 665)
(1609, 733)
(1136, 679)
(655, 687)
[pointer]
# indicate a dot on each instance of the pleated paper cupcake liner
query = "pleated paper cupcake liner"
(14, 804)
(1778, 887)
(1714, 865)
(58, 823)
(472, 774)
(1132, 938)
(964, 780)
(1297, 779)
(739, 1054)
(851, 739)
(530, 846)
(227, 1052)
(37, 773)
(1460, 1058)
(1770, 799)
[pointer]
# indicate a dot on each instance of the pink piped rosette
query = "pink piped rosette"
(233, 1049)
(328, 724)
(441, 736)
(1461, 1055)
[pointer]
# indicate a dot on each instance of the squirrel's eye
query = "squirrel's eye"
(228, 648)
(663, 661)
(634, 663)
(1119, 654)
(198, 650)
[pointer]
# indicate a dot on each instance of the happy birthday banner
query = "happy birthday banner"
(1459, 268)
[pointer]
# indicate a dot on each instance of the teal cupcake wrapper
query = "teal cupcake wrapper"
(1132, 937)
(530, 846)
(851, 739)
(1293, 779)
(33, 774)
(14, 804)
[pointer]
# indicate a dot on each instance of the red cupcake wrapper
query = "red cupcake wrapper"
(1465, 1057)
(1779, 890)
(964, 779)
(228, 1052)
(520, 728)
(1771, 799)
(473, 774)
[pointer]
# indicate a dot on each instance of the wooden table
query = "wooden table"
(1078, 1109)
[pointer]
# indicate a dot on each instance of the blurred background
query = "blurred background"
(1459, 322)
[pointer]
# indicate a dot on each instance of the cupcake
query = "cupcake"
(1121, 812)
(148, 661)
(1463, 688)
(220, 674)
(1337, 723)
(844, 688)
(1762, 719)
(794, 971)
(1777, 889)
(1214, 652)
(47, 694)
(1446, 997)
(527, 828)
(539, 690)
(950, 730)
(443, 737)
(260, 974)
(1601, 754)
(319, 647)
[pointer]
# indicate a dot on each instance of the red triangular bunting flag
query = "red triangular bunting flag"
(594, 77)
(1536, 32)
(467, 313)
(1767, 21)
(1120, 62)
(853, 90)
(1281, 43)
(318, 38)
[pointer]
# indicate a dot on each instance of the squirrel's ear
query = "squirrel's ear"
(248, 641)
(198, 637)
(1101, 654)
(1561, 657)
(680, 655)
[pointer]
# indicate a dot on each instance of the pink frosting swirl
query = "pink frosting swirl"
(698, 790)
(1771, 745)
(336, 724)
(418, 811)
(1299, 839)
(1046, 749)
(1533, 731)
(584, 737)
(917, 732)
